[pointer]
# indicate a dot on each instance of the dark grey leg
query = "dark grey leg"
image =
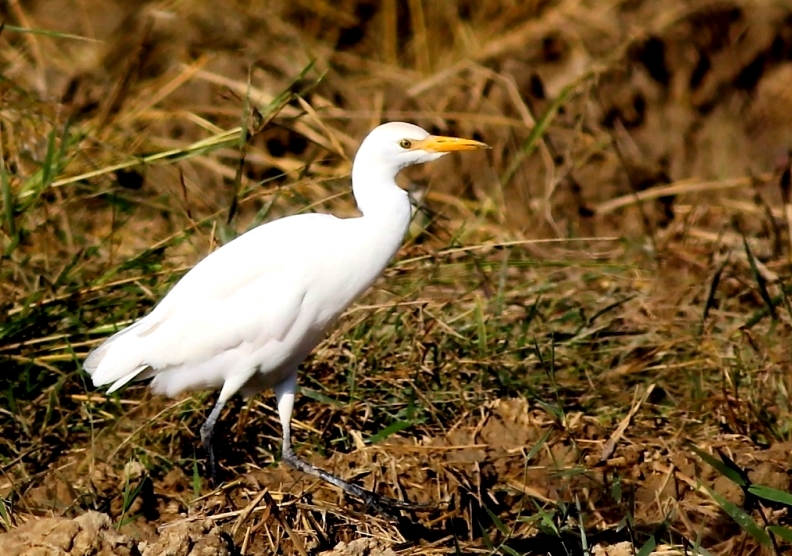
(230, 387)
(284, 393)
(207, 430)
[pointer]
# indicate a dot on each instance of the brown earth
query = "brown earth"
(476, 464)
(92, 534)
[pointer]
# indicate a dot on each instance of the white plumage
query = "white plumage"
(245, 317)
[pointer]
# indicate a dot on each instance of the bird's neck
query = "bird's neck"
(386, 214)
(378, 196)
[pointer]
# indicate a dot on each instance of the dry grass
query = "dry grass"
(563, 323)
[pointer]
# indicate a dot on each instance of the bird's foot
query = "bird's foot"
(384, 505)
(373, 499)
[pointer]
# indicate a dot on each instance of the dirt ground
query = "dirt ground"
(559, 385)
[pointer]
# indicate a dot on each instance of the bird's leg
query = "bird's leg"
(230, 387)
(284, 394)
(207, 430)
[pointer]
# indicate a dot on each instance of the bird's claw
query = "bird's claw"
(387, 506)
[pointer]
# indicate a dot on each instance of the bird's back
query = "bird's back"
(258, 304)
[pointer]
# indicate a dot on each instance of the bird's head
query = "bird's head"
(396, 145)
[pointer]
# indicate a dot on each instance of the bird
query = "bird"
(244, 318)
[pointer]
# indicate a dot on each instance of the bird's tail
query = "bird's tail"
(117, 360)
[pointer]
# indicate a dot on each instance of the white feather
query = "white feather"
(258, 305)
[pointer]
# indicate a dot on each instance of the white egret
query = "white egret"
(246, 316)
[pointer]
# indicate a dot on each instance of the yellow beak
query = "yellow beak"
(440, 144)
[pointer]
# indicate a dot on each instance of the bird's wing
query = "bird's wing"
(250, 290)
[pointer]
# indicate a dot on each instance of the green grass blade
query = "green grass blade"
(4, 515)
(650, 545)
(581, 523)
(731, 464)
(719, 466)
(196, 478)
(49, 158)
(537, 132)
(616, 488)
(548, 523)
(47, 33)
(785, 533)
(740, 517)
(393, 428)
(319, 397)
(698, 549)
(771, 494)
(128, 498)
(499, 525)
(538, 446)
(760, 281)
(486, 538)
(481, 328)
(8, 202)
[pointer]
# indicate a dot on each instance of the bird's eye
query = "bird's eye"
(405, 143)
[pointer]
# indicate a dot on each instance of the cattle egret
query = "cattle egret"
(246, 316)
